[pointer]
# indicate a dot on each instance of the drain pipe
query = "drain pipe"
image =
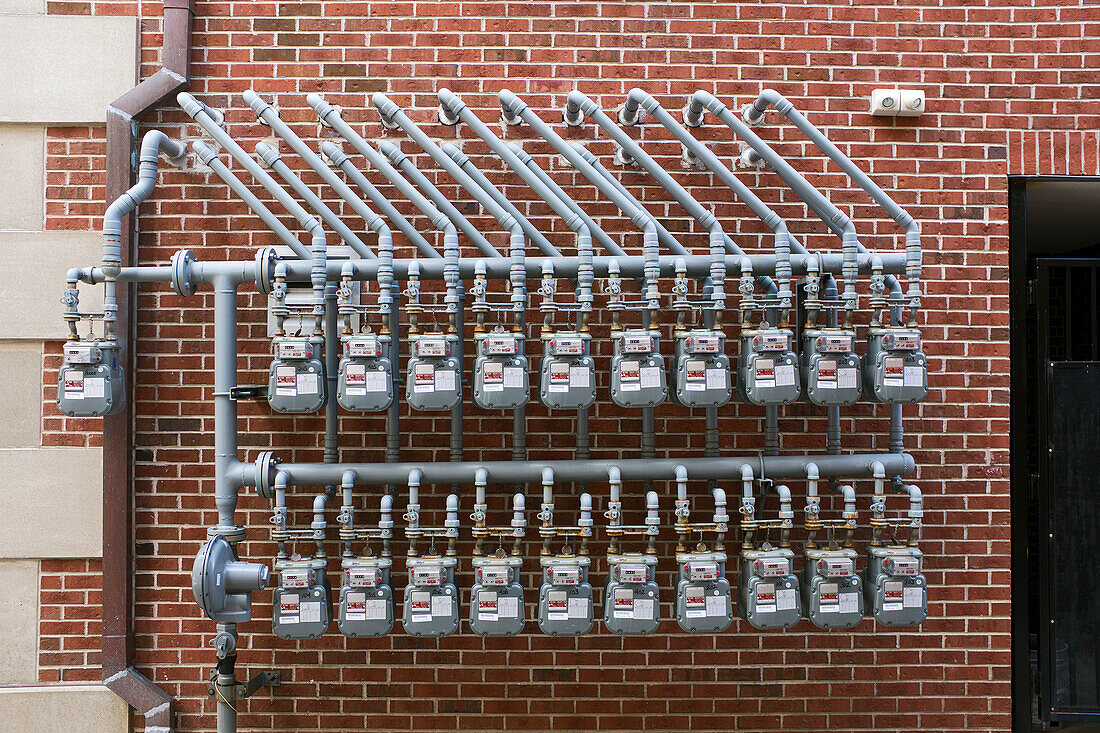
(754, 115)
(330, 117)
(268, 116)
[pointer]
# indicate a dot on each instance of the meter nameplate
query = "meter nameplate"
(772, 567)
(632, 573)
(363, 578)
(494, 576)
(637, 343)
(493, 372)
(564, 575)
(629, 371)
(427, 576)
(695, 371)
(431, 347)
(702, 571)
(424, 377)
(834, 344)
(705, 343)
(294, 350)
(836, 567)
(772, 342)
(695, 596)
(566, 346)
(82, 354)
(361, 347)
(902, 341)
(902, 565)
(294, 579)
(559, 373)
(499, 345)
(893, 371)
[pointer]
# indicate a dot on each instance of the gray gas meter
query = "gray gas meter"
(704, 600)
(431, 597)
(223, 585)
(302, 606)
(767, 369)
(768, 596)
(433, 381)
(637, 369)
(895, 590)
(365, 382)
(630, 602)
(895, 369)
(296, 381)
(565, 596)
(500, 371)
(91, 382)
(567, 374)
(701, 377)
(832, 591)
(496, 598)
(830, 366)
(366, 597)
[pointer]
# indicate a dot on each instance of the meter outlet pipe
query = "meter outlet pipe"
(754, 115)
(319, 273)
(268, 116)
(394, 116)
(152, 145)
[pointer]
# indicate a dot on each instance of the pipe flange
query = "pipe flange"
(265, 269)
(267, 464)
(747, 116)
(182, 282)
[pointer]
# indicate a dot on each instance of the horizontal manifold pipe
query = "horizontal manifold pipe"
(635, 469)
(566, 267)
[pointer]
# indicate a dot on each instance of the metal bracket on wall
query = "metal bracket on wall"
(254, 392)
(267, 678)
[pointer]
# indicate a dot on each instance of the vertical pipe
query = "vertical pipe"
(332, 360)
(771, 430)
(225, 407)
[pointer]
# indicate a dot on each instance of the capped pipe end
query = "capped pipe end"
(253, 100)
(333, 152)
(203, 151)
(631, 115)
(391, 151)
(456, 155)
(751, 116)
(267, 154)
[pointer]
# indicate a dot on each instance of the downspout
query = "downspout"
(117, 643)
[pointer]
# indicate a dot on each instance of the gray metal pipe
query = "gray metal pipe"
(330, 116)
(207, 155)
(392, 114)
(633, 469)
(784, 241)
(598, 234)
(754, 114)
(151, 145)
(225, 407)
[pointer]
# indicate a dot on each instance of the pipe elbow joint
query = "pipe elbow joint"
(267, 154)
(414, 477)
(334, 153)
(614, 475)
(681, 473)
(577, 105)
(511, 106)
(450, 106)
(391, 151)
(347, 480)
(385, 106)
(205, 153)
(481, 477)
(651, 501)
(258, 105)
(812, 471)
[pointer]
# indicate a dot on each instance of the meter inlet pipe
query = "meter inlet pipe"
(813, 504)
(754, 115)
(916, 508)
(394, 116)
(878, 504)
(152, 144)
(850, 515)
(682, 510)
(786, 514)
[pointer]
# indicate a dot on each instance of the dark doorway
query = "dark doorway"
(1055, 303)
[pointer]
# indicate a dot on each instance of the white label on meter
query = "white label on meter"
(772, 567)
(786, 599)
(579, 377)
(356, 607)
(637, 343)
(630, 376)
(445, 380)
(784, 375)
(765, 372)
(294, 350)
(288, 608)
(624, 603)
(703, 343)
(651, 377)
(424, 378)
(772, 342)
(487, 605)
(431, 347)
(363, 578)
(566, 346)
(826, 373)
(513, 377)
(363, 347)
(694, 596)
(765, 597)
(913, 597)
(830, 597)
(494, 576)
(499, 345)
(492, 372)
(557, 605)
(632, 574)
(308, 383)
(703, 571)
(74, 384)
(846, 378)
(427, 576)
(294, 578)
(914, 376)
(893, 371)
(356, 377)
(441, 605)
(695, 372)
(286, 381)
(559, 373)
(892, 595)
(564, 575)
(420, 605)
(834, 344)
(716, 378)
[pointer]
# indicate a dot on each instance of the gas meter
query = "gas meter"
(303, 600)
(704, 601)
(365, 381)
(567, 375)
(433, 381)
(496, 598)
(91, 382)
(565, 596)
(431, 597)
(296, 382)
(895, 369)
(767, 369)
(637, 369)
(702, 374)
(366, 598)
(500, 371)
(832, 592)
(830, 367)
(768, 589)
(630, 603)
(894, 588)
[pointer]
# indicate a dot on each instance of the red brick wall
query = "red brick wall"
(1009, 91)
